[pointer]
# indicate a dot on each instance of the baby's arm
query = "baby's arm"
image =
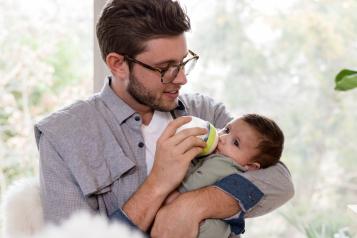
(210, 171)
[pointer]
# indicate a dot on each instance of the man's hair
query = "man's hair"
(124, 26)
(271, 142)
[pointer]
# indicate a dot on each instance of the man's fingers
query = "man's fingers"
(189, 143)
(186, 133)
(192, 153)
(171, 128)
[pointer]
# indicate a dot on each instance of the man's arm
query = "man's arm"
(276, 184)
(174, 153)
(182, 217)
(266, 190)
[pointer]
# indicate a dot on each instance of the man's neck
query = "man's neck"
(146, 117)
(145, 112)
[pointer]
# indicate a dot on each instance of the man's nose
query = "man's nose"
(180, 78)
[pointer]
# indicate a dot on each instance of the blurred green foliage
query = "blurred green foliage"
(346, 80)
(280, 58)
(45, 63)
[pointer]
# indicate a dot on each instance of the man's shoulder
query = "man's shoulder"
(79, 108)
(79, 114)
(198, 104)
(195, 98)
(206, 108)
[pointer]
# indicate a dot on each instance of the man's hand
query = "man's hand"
(174, 153)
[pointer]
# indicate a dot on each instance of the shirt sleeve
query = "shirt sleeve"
(119, 215)
(276, 184)
(243, 190)
(261, 191)
(60, 194)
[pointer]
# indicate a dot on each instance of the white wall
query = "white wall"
(100, 69)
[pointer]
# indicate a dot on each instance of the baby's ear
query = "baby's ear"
(253, 166)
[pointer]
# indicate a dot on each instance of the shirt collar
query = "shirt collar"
(114, 103)
(123, 111)
(180, 110)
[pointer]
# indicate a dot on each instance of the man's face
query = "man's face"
(145, 85)
(238, 141)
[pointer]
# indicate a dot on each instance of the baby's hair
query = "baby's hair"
(271, 142)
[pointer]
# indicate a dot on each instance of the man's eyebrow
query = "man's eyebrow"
(166, 62)
(169, 61)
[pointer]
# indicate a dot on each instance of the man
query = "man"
(100, 154)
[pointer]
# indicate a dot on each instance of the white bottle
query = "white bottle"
(211, 138)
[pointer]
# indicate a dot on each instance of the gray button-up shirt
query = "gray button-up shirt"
(92, 157)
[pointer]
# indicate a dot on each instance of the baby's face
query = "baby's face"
(238, 141)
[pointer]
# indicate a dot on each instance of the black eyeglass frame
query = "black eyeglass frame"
(162, 72)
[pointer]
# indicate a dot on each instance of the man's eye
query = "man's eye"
(164, 68)
(236, 143)
(226, 130)
(167, 66)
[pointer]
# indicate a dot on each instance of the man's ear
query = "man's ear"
(117, 65)
(253, 166)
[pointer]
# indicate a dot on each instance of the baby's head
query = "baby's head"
(253, 141)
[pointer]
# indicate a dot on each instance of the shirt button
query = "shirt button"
(141, 144)
(137, 118)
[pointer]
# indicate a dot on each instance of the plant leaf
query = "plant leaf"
(343, 73)
(347, 82)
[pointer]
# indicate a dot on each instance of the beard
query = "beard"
(147, 97)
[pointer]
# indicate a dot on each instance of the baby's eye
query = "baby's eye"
(236, 143)
(226, 130)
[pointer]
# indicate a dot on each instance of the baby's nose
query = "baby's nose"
(221, 139)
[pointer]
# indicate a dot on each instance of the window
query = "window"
(279, 58)
(45, 63)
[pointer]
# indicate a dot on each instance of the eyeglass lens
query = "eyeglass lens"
(173, 71)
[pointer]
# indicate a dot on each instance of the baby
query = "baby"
(247, 143)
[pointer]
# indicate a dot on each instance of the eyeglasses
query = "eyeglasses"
(169, 73)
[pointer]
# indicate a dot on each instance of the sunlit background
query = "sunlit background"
(277, 58)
